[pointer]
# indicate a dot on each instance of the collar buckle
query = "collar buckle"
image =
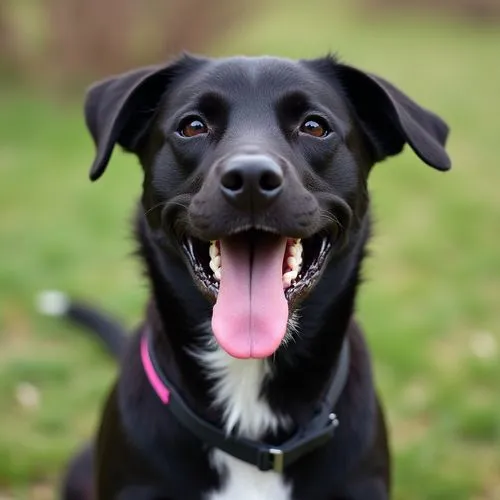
(271, 459)
(278, 459)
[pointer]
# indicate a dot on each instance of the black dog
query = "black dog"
(249, 378)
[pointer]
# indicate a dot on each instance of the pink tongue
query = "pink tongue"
(251, 313)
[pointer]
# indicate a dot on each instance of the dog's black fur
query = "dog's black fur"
(250, 106)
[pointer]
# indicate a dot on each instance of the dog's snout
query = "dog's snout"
(251, 181)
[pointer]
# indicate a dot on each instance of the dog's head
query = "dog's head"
(255, 172)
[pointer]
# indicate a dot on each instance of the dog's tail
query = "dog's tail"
(110, 331)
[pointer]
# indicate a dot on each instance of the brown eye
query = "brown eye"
(192, 127)
(315, 127)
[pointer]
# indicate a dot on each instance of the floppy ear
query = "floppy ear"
(119, 109)
(390, 118)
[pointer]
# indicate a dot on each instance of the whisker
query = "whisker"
(332, 218)
(163, 204)
(177, 203)
(155, 207)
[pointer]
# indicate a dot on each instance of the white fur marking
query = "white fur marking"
(245, 482)
(236, 389)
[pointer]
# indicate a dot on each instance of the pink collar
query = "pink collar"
(158, 386)
(314, 434)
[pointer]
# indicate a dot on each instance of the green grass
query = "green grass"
(430, 304)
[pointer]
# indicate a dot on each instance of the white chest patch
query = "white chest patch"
(245, 482)
(236, 390)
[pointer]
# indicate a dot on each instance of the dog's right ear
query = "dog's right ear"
(119, 109)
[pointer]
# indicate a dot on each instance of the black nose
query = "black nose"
(251, 182)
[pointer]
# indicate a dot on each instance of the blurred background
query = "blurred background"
(431, 301)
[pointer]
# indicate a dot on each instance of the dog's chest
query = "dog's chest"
(242, 481)
(237, 387)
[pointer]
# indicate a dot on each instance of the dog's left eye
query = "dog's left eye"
(315, 126)
(192, 126)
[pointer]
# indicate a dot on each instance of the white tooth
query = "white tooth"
(323, 245)
(295, 249)
(217, 274)
(290, 275)
(215, 263)
(292, 262)
(213, 250)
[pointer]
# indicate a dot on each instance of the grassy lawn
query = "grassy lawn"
(430, 304)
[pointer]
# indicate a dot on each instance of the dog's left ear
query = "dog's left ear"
(390, 119)
(119, 109)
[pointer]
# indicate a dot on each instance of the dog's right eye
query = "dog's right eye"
(315, 126)
(191, 127)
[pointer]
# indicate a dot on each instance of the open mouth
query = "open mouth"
(302, 261)
(255, 277)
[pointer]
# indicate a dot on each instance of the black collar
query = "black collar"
(317, 432)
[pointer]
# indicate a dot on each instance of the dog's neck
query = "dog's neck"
(275, 392)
